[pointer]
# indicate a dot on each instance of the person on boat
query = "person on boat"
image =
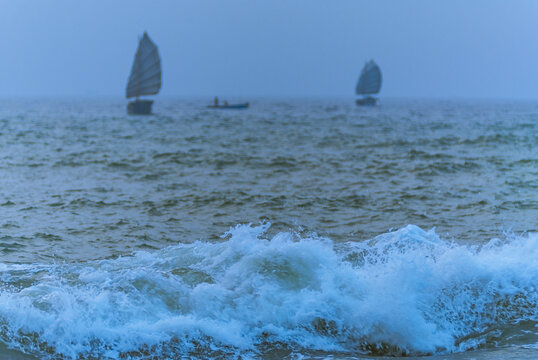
(225, 103)
(216, 101)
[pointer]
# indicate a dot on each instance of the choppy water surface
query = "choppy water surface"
(405, 229)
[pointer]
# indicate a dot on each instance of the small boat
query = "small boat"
(369, 84)
(229, 106)
(145, 78)
(225, 105)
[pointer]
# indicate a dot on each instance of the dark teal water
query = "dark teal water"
(404, 229)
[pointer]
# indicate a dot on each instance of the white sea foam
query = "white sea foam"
(402, 292)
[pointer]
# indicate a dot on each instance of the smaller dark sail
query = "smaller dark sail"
(370, 79)
(369, 84)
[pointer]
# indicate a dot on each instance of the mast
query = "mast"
(138, 68)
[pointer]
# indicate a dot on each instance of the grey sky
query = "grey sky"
(430, 48)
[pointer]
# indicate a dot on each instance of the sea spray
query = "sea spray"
(403, 292)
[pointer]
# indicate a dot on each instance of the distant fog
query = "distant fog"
(429, 48)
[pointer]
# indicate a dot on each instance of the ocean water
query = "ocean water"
(296, 229)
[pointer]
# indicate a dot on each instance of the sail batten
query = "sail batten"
(370, 79)
(145, 77)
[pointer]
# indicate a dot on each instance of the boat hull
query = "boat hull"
(231, 106)
(140, 107)
(367, 101)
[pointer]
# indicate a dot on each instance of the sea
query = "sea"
(294, 229)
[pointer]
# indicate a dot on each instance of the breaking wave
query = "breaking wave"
(406, 292)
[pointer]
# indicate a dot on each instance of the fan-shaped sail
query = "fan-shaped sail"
(145, 78)
(370, 79)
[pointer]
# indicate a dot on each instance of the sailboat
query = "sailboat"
(145, 78)
(369, 84)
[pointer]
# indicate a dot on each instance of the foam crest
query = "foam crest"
(403, 292)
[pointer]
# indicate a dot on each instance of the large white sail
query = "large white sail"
(145, 78)
(370, 79)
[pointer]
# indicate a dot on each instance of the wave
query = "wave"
(406, 292)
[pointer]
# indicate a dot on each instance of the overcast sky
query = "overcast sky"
(430, 48)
